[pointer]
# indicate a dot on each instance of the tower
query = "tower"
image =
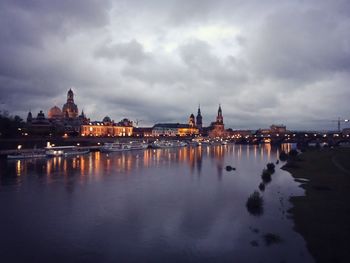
(70, 96)
(199, 119)
(192, 121)
(70, 109)
(30, 117)
(220, 118)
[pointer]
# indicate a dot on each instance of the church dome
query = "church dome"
(55, 113)
(107, 119)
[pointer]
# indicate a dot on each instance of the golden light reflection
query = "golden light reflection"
(19, 167)
(96, 164)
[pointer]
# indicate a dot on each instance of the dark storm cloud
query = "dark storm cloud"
(264, 61)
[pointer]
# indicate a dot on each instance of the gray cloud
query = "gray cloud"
(273, 61)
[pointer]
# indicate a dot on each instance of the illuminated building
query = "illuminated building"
(107, 128)
(59, 122)
(191, 121)
(55, 113)
(217, 128)
(142, 132)
(70, 109)
(173, 129)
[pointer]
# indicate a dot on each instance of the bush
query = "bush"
(293, 153)
(230, 168)
(266, 176)
(262, 187)
(270, 167)
(255, 204)
(283, 156)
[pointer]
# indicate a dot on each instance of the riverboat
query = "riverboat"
(25, 155)
(54, 151)
(168, 144)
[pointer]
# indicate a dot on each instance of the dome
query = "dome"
(55, 113)
(106, 119)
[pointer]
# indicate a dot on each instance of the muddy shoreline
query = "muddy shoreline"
(322, 215)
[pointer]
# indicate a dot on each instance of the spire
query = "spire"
(70, 96)
(199, 118)
(219, 118)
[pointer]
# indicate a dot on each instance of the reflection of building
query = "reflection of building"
(217, 128)
(107, 128)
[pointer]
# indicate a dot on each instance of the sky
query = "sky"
(265, 62)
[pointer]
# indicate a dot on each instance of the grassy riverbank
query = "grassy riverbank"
(322, 216)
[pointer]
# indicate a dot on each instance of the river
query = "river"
(164, 205)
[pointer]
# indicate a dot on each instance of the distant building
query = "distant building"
(217, 128)
(70, 109)
(199, 119)
(239, 133)
(108, 128)
(58, 121)
(174, 129)
(274, 130)
(39, 125)
(142, 132)
(191, 121)
(278, 128)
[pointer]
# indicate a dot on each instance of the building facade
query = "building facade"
(174, 129)
(217, 128)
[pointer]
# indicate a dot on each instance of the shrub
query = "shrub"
(293, 153)
(255, 204)
(283, 156)
(270, 167)
(262, 187)
(266, 176)
(230, 168)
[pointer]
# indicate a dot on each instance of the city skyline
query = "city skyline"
(277, 62)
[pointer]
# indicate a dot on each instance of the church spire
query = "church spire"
(220, 118)
(199, 118)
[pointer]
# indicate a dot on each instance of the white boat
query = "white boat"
(120, 147)
(168, 144)
(137, 145)
(54, 151)
(115, 147)
(26, 155)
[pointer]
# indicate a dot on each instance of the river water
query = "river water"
(164, 205)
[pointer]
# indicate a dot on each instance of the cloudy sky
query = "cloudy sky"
(271, 61)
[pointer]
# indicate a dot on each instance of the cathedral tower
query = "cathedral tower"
(192, 121)
(70, 109)
(220, 118)
(199, 119)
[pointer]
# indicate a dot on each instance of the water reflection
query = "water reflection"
(164, 205)
(97, 164)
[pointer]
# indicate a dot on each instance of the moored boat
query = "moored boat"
(26, 155)
(168, 144)
(137, 145)
(115, 147)
(54, 151)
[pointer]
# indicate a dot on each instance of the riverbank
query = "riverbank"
(322, 216)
